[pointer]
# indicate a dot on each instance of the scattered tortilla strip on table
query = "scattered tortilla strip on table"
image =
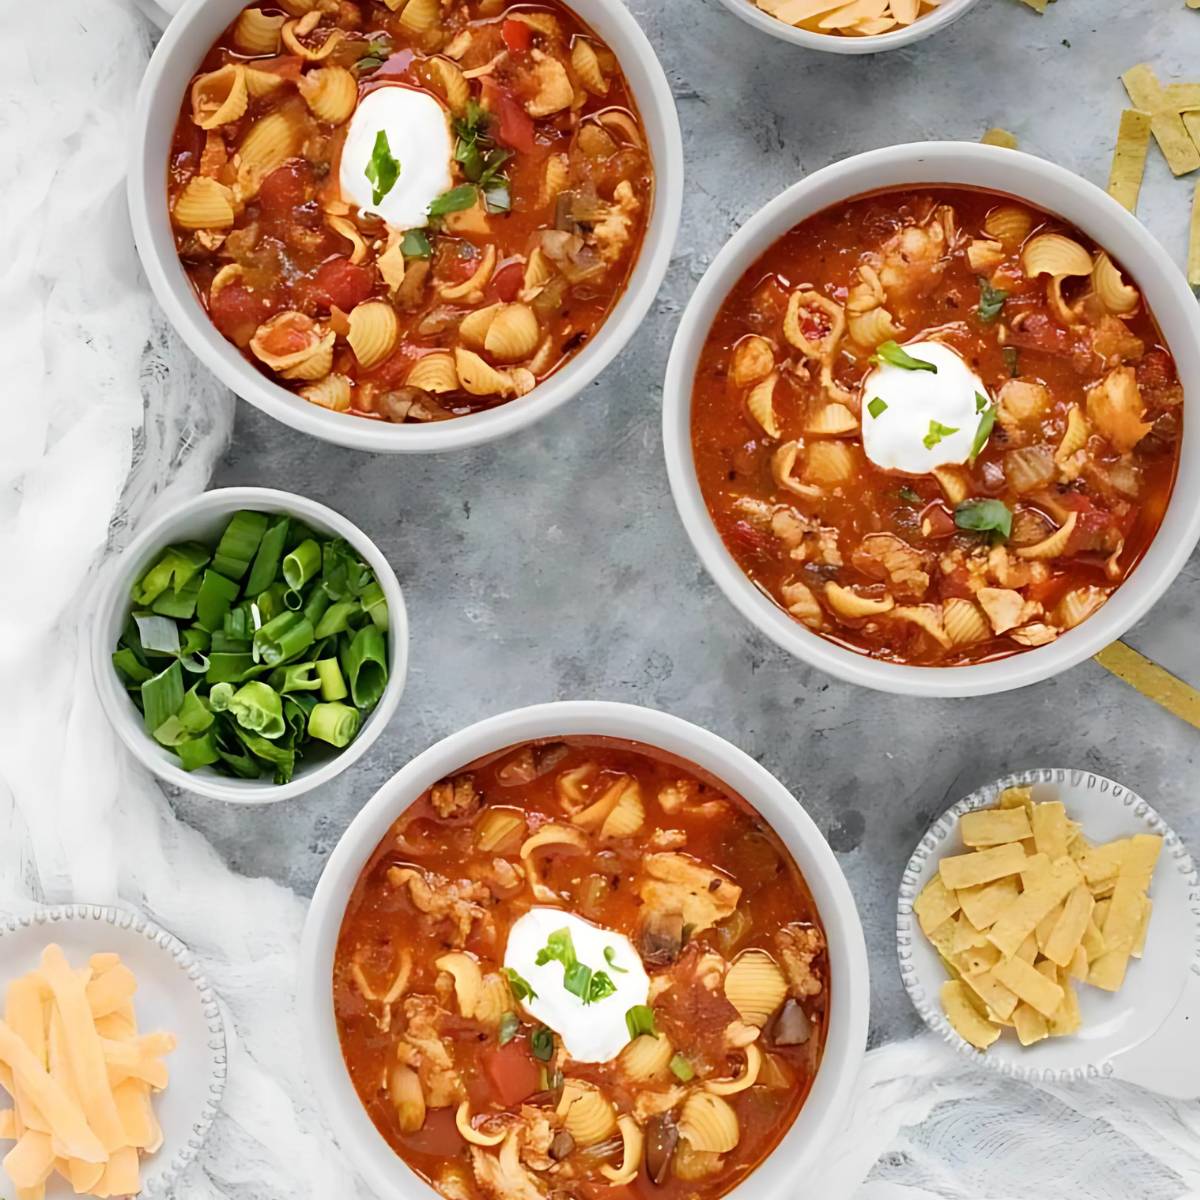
(1129, 158)
(1193, 277)
(1155, 683)
(1165, 123)
(1000, 137)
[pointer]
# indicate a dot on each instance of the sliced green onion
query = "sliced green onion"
(194, 713)
(265, 568)
(315, 607)
(681, 1068)
(897, 356)
(541, 1042)
(198, 751)
(937, 433)
(282, 758)
(181, 604)
(297, 707)
(333, 723)
(519, 985)
(285, 637)
(416, 245)
(256, 707)
(877, 407)
(174, 570)
(509, 1024)
(337, 618)
(333, 686)
(610, 957)
(231, 667)
(984, 516)
(131, 668)
(375, 605)
(270, 602)
(162, 695)
(302, 564)
(239, 543)
(217, 596)
(986, 423)
(455, 200)
(640, 1020)
(296, 677)
(157, 635)
(365, 663)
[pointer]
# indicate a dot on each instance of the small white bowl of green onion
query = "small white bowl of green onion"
(250, 645)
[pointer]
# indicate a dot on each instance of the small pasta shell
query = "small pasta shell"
(552, 835)
(747, 1079)
(755, 986)
(214, 156)
(539, 270)
(1055, 255)
(870, 328)
(627, 817)
(621, 121)
(344, 227)
(927, 617)
(1075, 436)
(331, 93)
(964, 622)
(573, 785)
(434, 373)
(373, 332)
(303, 346)
(954, 482)
(594, 141)
(753, 359)
(269, 143)
(596, 813)
(783, 463)
(513, 334)
(799, 600)
(848, 603)
(317, 365)
(473, 328)
(203, 204)
(586, 1113)
(479, 377)
(1055, 544)
(829, 462)
(543, 22)
(262, 83)
(646, 1058)
(1111, 289)
(1009, 224)
(225, 276)
(297, 8)
(634, 1142)
(554, 179)
(708, 1123)
(293, 31)
(257, 32)
(760, 401)
(831, 420)
(825, 345)
(587, 66)
(332, 392)
(420, 16)
(219, 97)
(468, 980)
(544, 357)
(478, 281)
(451, 83)
(468, 1132)
(1079, 604)
(494, 1000)
(498, 828)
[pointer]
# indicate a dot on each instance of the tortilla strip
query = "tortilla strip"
(1129, 158)
(1193, 277)
(1027, 982)
(1068, 930)
(982, 904)
(1030, 1025)
(964, 1017)
(935, 903)
(109, 991)
(995, 826)
(981, 866)
(1167, 126)
(1050, 829)
(1019, 921)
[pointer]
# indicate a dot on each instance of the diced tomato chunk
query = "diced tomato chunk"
(1155, 370)
(506, 283)
(514, 126)
(518, 37)
(237, 311)
(512, 1072)
(341, 282)
(937, 521)
(285, 189)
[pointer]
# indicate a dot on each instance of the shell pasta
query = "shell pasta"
(437, 206)
(670, 892)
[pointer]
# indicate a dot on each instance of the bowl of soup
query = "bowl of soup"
(405, 227)
(926, 419)
(584, 949)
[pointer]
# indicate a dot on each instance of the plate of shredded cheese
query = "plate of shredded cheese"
(112, 1055)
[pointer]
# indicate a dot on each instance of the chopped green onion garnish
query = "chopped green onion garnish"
(541, 1042)
(681, 1068)
(986, 423)
(909, 496)
(415, 245)
(640, 1020)
(509, 1024)
(937, 432)
(991, 301)
(519, 986)
(365, 663)
(455, 200)
(896, 356)
(330, 681)
(265, 568)
(334, 723)
(877, 407)
(580, 980)
(610, 957)
(239, 543)
(984, 516)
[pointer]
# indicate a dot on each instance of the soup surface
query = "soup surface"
(937, 426)
(580, 968)
(407, 210)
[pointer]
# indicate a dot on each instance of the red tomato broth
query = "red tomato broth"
(734, 454)
(597, 883)
(281, 242)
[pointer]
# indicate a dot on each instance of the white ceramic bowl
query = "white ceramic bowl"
(1049, 187)
(177, 57)
(850, 987)
(943, 15)
(203, 518)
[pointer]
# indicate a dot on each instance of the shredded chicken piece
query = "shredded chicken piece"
(610, 234)
(1115, 408)
(1021, 403)
(677, 883)
(798, 946)
(1008, 574)
(1037, 634)
(457, 797)
(535, 1133)
(668, 839)
(651, 1104)
(888, 558)
(422, 1049)
(554, 90)
(1113, 342)
(1006, 608)
(913, 260)
(459, 902)
(739, 1034)
(502, 1176)
(680, 797)
(502, 876)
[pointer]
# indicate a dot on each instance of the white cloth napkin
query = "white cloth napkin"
(106, 417)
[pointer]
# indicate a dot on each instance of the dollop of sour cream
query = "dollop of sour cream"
(595, 1032)
(915, 420)
(419, 139)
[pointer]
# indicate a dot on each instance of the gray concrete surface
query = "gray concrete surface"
(553, 565)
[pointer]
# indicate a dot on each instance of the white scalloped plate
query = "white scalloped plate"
(1149, 1031)
(172, 995)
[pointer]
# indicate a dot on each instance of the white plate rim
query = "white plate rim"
(1175, 853)
(166, 1171)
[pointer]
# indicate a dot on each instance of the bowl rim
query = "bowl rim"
(845, 1046)
(111, 596)
(945, 14)
(146, 193)
(950, 164)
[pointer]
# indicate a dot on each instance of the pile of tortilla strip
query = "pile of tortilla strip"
(1028, 910)
(80, 1077)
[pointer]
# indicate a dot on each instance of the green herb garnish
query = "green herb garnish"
(541, 1042)
(578, 979)
(909, 496)
(877, 407)
(986, 422)
(984, 516)
(509, 1024)
(373, 57)
(519, 986)
(640, 1020)
(416, 245)
(382, 170)
(496, 198)
(896, 356)
(682, 1069)
(455, 200)
(937, 432)
(610, 957)
(991, 301)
